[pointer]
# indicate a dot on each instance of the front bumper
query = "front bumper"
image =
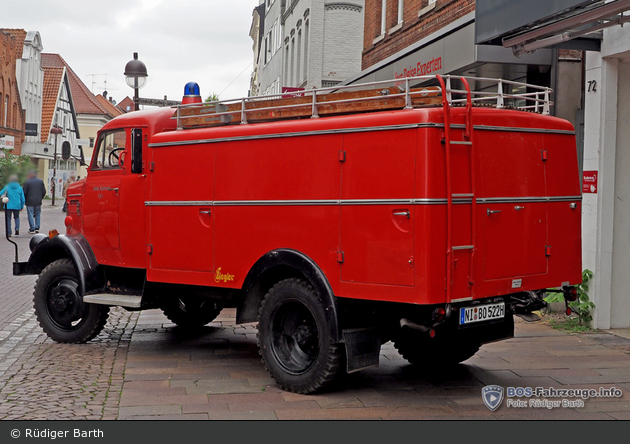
(19, 269)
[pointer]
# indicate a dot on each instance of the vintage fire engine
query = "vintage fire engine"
(427, 211)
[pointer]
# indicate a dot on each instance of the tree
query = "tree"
(214, 97)
(12, 164)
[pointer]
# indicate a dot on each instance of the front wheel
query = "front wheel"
(294, 338)
(60, 309)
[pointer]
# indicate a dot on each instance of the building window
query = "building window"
(14, 115)
(265, 48)
(292, 66)
(400, 10)
(306, 32)
(298, 70)
(383, 17)
(286, 66)
(330, 83)
(6, 110)
(91, 142)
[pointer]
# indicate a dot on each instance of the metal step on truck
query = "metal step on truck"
(427, 211)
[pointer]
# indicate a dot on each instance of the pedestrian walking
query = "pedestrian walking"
(34, 192)
(13, 199)
(66, 184)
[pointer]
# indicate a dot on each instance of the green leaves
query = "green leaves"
(582, 306)
(12, 164)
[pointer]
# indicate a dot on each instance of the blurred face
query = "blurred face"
(13, 178)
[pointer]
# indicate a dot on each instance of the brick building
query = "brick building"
(393, 25)
(11, 112)
(408, 38)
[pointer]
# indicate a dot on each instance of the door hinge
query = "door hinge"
(342, 156)
(151, 166)
(341, 257)
(150, 248)
(548, 250)
(544, 155)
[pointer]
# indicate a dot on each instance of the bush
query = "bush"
(12, 164)
(583, 305)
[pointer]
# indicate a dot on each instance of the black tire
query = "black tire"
(191, 313)
(419, 349)
(294, 338)
(60, 309)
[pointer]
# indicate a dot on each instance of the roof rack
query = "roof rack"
(407, 93)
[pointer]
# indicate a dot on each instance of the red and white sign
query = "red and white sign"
(292, 92)
(7, 143)
(589, 182)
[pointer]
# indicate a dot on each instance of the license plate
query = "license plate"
(480, 313)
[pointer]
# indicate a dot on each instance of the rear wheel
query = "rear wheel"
(188, 312)
(294, 338)
(60, 309)
(418, 348)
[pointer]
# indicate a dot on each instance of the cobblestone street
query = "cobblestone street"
(143, 367)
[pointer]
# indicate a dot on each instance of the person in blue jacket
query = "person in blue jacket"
(13, 199)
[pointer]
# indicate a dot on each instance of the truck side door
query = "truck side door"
(181, 208)
(377, 236)
(102, 192)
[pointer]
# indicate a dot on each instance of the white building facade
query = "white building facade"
(308, 44)
(30, 78)
(606, 206)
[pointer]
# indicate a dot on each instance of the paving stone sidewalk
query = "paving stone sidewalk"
(40, 379)
(16, 293)
(217, 374)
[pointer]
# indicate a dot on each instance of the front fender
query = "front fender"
(74, 247)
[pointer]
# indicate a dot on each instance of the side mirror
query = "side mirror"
(136, 151)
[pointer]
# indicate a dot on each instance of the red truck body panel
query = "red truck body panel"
(364, 196)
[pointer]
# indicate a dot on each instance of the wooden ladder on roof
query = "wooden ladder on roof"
(305, 105)
(461, 196)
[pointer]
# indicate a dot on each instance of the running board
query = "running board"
(113, 300)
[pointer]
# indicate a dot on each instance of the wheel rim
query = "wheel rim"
(66, 309)
(295, 337)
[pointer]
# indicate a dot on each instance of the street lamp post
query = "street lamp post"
(136, 77)
(56, 131)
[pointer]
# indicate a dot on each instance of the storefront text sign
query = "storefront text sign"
(589, 182)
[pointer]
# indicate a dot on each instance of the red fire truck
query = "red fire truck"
(426, 211)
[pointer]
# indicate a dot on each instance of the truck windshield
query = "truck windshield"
(109, 149)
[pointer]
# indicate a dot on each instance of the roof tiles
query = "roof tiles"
(53, 75)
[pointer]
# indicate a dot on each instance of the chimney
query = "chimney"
(105, 94)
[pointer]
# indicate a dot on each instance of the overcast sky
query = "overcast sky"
(206, 41)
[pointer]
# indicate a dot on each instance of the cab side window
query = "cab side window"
(109, 150)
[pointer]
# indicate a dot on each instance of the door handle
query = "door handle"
(518, 208)
(406, 214)
(208, 212)
(113, 189)
(491, 212)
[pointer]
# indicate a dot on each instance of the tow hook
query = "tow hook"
(424, 329)
(525, 304)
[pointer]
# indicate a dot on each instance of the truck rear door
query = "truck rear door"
(513, 209)
(180, 208)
